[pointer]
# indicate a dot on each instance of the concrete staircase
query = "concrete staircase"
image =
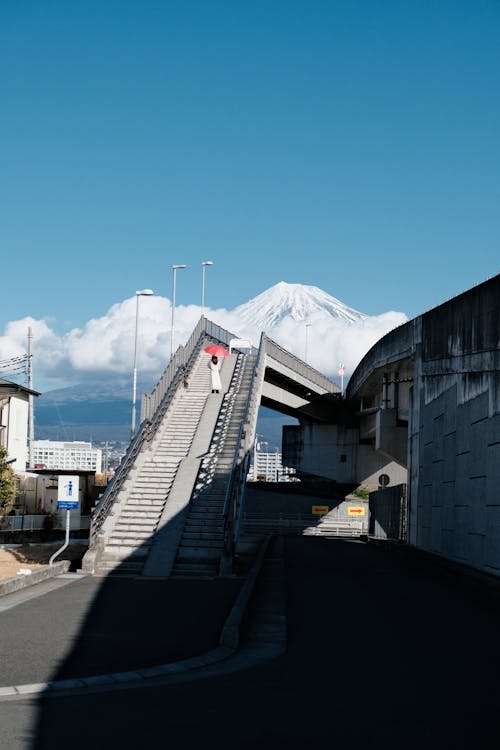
(201, 546)
(143, 498)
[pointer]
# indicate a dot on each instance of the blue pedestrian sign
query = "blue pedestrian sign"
(67, 504)
(67, 492)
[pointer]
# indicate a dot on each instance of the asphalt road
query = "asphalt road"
(383, 651)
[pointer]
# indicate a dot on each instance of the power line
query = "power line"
(15, 365)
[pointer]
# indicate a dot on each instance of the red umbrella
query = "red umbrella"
(216, 350)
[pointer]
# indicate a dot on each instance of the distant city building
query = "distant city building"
(53, 454)
(267, 467)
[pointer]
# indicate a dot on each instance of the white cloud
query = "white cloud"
(330, 342)
(106, 344)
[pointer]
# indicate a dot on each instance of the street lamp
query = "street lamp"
(341, 372)
(204, 264)
(308, 325)
(141, 293)
(175, 268)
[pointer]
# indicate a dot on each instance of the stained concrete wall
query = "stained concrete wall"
(454, 434)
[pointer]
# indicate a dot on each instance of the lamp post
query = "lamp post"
(341, 372)
(141, 293)
(204, 264)
(308, 325)
(175, 268)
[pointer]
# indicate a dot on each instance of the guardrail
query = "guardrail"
(298, 523)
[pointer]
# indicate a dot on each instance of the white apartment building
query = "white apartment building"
(267, 467)
(54, 454)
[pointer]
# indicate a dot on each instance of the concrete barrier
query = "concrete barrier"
(230, 636)
(9, 585)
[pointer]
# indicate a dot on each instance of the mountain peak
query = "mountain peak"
(299, 302)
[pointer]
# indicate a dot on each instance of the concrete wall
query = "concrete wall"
(454, 433)
(333, 451)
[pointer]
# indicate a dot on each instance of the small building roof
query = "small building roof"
(17, 387)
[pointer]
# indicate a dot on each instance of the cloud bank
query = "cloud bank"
(104, 347)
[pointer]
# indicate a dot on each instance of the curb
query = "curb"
(228, 645)
(230, 636)
(16, 583)
(118, 678)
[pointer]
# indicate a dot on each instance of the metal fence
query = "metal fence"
(301, 523)
(388, 512)
(37, 522)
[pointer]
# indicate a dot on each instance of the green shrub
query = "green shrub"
(7, 482)
(361, 492)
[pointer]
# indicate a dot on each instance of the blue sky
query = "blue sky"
(352, 146)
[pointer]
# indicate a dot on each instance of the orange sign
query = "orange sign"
(356, 510)
(320, 510)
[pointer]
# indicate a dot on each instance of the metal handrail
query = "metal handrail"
(101, 510)
(153, 408)
(302, 368)
(153, 402)
(236, 486)
(235, 494)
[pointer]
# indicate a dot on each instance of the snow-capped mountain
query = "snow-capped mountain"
(296, 301)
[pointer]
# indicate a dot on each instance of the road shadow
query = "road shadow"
(134, 622)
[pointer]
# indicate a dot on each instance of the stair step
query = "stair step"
(141, 502)
(152, 492)
(141, 528)
(119, 567)
(196, 572)
(200, 556)
(208, 510)
(139, 534)
(119, 551)
(201, 544)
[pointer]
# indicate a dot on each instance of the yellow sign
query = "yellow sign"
(356, 510)
(320, 510)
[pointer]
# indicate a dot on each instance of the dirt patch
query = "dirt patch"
(34, 556)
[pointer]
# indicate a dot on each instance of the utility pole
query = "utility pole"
(31, 421)
(106, 459)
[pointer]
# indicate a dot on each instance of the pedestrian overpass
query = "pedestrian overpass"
(175, 504)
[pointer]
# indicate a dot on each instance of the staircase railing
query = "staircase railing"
(155, 404)
(277, 352)
(235, 494)
(152, 402)
(153, 408)
(101, 510)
